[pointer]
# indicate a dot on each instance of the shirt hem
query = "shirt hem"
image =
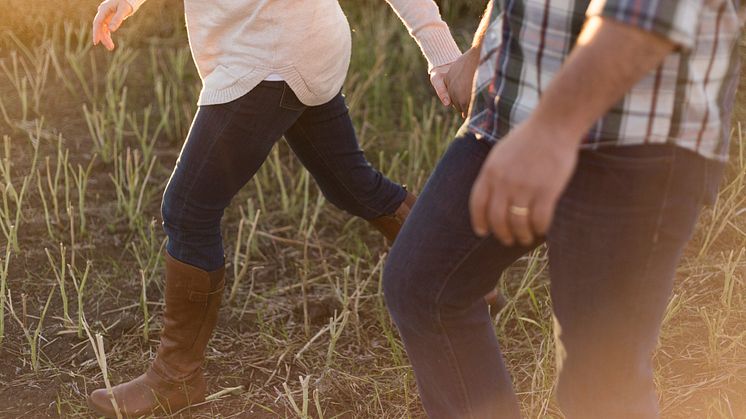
(482, 135)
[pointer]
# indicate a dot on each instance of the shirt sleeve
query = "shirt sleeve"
(423, 21)
(135, 4)
(676, 20)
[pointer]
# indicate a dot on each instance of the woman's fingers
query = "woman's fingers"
(123, 11)
(438, 80)
(107, 41)
(441, 90)
(108, 19)
(104, 9)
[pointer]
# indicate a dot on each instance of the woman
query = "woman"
(270, 68)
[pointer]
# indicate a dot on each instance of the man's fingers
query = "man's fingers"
(478, 207)
(453, 96)
(497, 212)
(542, 214)
(460, 104)
(465, 104)
(519, 221)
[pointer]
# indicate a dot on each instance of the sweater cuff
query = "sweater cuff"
(438, 46)
(135, 4)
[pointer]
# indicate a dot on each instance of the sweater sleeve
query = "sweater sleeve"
(135, 4)
(423, 21)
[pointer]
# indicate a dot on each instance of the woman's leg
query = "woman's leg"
(226, 146)
(324, 140)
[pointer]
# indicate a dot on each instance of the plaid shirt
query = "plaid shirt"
(686, 101)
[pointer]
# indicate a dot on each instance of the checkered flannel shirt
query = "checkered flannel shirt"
(686, 101)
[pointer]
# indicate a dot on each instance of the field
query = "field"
(88, 142)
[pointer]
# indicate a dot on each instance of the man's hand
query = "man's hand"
(460, 79)
(110, 15)
(518, 187)
(437, 79)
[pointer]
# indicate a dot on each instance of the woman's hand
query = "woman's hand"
(110, 15)
(460, 79)
(438, 80)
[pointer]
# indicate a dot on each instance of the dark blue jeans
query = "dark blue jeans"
(228, 143)
(617, 236)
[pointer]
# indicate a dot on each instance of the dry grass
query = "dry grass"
(91, 139)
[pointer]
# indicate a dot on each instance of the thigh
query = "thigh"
(437, 257)
(325, 142)
(434, 282)
(618, 234)
(225, 147)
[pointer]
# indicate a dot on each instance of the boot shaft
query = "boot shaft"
(192, 303)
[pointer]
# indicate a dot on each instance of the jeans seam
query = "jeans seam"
(703, 196)
(661, 209)
(451, 352)
(324, 162)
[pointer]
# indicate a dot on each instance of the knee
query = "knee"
(169, 214)
(182, 214)
(407, 302)
(604, 379)
(361, 190)
(393, 290)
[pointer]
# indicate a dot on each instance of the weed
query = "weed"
(32, 336)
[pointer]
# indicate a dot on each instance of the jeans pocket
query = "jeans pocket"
(631, 157)
(630, 178)
(290, 100)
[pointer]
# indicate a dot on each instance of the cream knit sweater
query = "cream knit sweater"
(237, 43)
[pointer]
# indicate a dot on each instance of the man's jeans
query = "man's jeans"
(616, 238)
(228, 143)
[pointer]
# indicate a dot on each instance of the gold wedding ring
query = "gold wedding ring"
(519, 211)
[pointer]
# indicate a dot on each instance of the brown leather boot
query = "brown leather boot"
(175, 379)
(389, 225)
(496, 301)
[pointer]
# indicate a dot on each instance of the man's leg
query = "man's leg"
(434, 280)
(616, 239)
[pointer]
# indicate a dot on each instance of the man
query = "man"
(599, 127)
